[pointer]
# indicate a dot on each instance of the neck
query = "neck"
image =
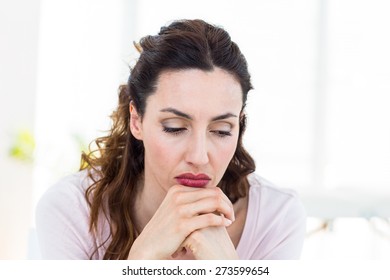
(146, 203)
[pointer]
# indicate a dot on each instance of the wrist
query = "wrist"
(139, 253)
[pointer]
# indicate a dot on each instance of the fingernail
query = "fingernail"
(228, 222)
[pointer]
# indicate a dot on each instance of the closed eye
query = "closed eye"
(174, 130)
(179, 130)
(221, 133)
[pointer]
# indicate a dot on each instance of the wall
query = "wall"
(19, 25)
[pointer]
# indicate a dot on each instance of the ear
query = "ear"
(135, 122)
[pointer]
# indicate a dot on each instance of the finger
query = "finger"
(204, 221)
(215, 205)
(185, 195)
(179, 252)
(199, 192)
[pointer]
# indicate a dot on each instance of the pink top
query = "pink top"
(274, 228)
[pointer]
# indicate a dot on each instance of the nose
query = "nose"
(197, 151)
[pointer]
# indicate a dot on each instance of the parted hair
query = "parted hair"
(117, 163)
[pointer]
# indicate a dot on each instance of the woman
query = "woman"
(172, 179)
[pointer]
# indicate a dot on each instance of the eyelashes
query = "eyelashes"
(221, 133)
(180, 130)
(174, 130)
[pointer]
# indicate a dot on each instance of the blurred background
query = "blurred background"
(318, 118)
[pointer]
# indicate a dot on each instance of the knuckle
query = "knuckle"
(218, 195)
(217, 191)
(181, 211)
(212, 219)
(179, 228)
(176, 197)
(218, 201)
(174, 189)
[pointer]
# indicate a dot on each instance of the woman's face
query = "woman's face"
(189, 129)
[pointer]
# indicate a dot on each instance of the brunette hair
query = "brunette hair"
(118, 162)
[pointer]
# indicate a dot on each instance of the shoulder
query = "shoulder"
(62, 219)
(271, 196)
(258, 184)
(276, 222)
(68, 191)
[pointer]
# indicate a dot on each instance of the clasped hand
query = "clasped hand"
(188, 218)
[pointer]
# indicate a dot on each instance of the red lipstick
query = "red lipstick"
(192, 180)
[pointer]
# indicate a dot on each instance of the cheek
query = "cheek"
(155, 150)
(160, 153)
(223, 154)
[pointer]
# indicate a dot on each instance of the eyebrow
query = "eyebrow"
(186, 116)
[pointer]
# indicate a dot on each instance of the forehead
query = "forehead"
(198, 90)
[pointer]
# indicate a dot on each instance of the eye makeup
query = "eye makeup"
(219, 132)
(222, 128)
(174, 130)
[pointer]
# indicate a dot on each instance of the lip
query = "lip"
(193, 180)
